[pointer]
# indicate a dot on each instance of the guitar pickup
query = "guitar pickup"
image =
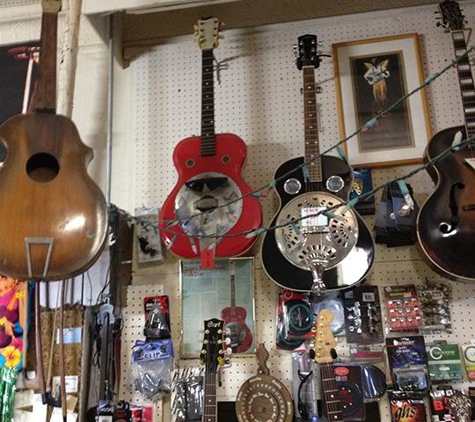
(212, 183)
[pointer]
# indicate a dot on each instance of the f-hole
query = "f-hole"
(42, 167)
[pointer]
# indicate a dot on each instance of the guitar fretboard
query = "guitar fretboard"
(46, 89)
(232, 286)
(312, 145)
(207, 105)
(209, 401)
(465, 77)
(330, 392)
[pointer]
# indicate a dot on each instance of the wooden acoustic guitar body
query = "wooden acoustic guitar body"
(48, 201)
(227, 162)
(446, 221)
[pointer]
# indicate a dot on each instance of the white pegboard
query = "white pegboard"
(12, 3)
(258, 98)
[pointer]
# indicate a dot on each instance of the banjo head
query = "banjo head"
(263, 398)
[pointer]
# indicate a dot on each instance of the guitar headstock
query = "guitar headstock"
(307, 54)
(208, 33)
(325, 343)
(212, 351)
(51, 6)
(451, 16)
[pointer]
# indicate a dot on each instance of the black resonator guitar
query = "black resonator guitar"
(326, 174)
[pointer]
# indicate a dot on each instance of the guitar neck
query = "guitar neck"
(46, 91)
(312, 144)
(207, 105)
(210, 413)
(232, 284)
(465, 78)
(330, 393)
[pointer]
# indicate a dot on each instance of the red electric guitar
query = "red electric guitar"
(234, 318)
(205, 203)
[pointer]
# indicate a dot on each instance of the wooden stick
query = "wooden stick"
(64, 409)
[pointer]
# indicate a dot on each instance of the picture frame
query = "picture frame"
(208, 293)
(370, 76)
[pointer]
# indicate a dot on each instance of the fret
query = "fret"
(312, 147)
(208, 147)
(209, 399)
(465, 78)
(46, 85)
(330, 393)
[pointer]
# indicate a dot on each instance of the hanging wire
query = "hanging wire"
(328, 210)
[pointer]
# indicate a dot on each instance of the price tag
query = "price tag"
(207, 258)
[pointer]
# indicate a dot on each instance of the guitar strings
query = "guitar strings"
(327, 211)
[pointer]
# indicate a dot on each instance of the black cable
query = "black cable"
(301, 407)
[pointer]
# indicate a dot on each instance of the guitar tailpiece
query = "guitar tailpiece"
(318, 287)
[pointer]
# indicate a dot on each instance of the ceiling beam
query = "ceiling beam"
(147, 29)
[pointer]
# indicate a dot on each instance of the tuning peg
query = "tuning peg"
(229, 351)
(227, 341)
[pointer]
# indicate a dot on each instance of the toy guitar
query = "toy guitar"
(302, 254)
(235, 319)
(324, 350)
(209, 177)
(211, 357)
(446, 221)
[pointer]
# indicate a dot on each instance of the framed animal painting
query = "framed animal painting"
(373, 80)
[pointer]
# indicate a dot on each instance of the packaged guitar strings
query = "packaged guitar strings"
(406, 408)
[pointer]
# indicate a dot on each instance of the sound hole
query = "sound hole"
(42, 167)
(445, 228)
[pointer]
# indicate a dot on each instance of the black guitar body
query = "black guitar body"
(352, 269)
(446, 221)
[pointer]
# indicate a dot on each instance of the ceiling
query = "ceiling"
(147, 29)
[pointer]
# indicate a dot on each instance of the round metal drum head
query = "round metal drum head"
(201, 205)
(306, 239)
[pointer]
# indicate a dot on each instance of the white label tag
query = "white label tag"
(457, 139)
(71, 382)
(471, 162)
